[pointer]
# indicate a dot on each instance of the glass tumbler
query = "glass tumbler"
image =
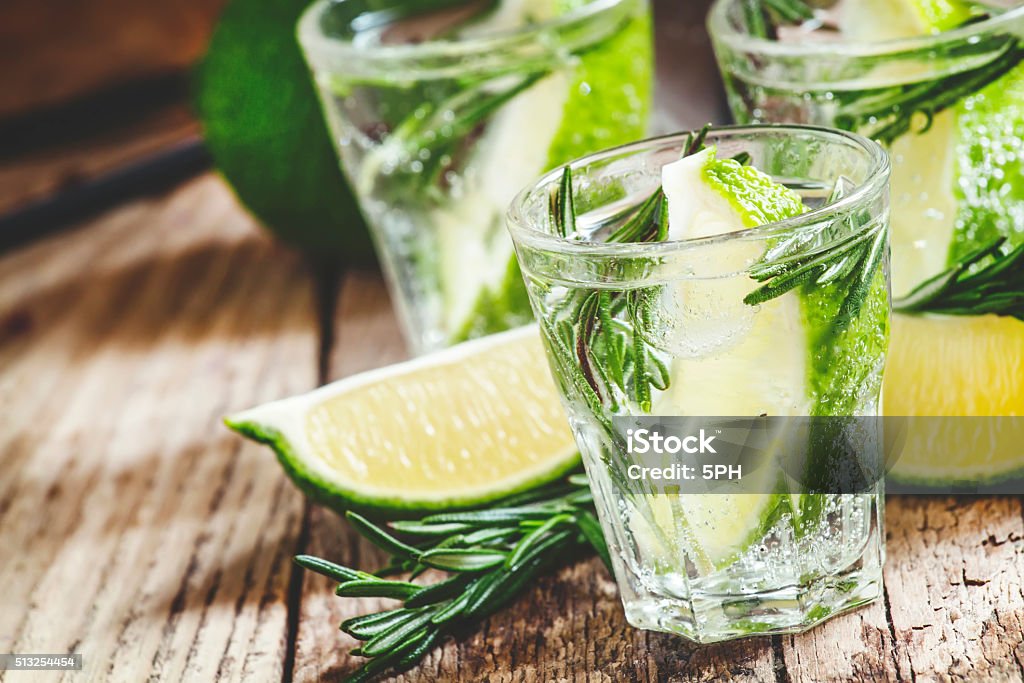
(647, 333)
(442, 112)
(949, 108)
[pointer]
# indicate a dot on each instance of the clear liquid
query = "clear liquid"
(717, 566)
(435, 160)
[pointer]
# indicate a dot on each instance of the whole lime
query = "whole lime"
(264, 129)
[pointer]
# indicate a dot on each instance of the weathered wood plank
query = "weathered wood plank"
(852, 647)
(954, 607)
(136, 529)
(45, 170)
(955, 579)
(55, 50)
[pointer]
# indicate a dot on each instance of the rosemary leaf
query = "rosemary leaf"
(463, 559)
(413, 656)
(454, 609)
(533, 538)
(488, 518)
(399, 636)
(330, 569)
(567, 204)
(368, 626)
(414, 528)
(591, 530)
(381, 538)
(791, 11)
(487, 536)
(377, 588)
(438, 592)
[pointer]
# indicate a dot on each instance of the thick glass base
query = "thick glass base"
(710, 617)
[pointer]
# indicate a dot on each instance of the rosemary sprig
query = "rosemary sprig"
(848, 263)
(628, 366)
(427, 141)
(987, 280)
(889, 114)
(490, 554)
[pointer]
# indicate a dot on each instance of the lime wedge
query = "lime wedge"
(719, 366)
(877, 20)
(719, 363)
(957, 366)
(944, 205)
(459, 428)
(601, 102)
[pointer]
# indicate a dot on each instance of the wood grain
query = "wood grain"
(52, 166)
(57, 50)
(135, 528)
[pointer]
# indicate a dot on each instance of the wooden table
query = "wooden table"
(136, 530)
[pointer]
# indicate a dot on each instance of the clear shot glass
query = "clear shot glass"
(685, 334)
(440, 117)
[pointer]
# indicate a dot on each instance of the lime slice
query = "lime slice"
(923, 207)
(957, 366)
(719, 363)
(601, 102)
(459, 428)
(877, 20)
(944, 205)
(719, 366)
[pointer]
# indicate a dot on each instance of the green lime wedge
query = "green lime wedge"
(460, 428)
(719, 363)
(604, 103)
(877, 20)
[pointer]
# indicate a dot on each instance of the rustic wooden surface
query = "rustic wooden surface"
(58, 50)
(33, 173)
(136, 530)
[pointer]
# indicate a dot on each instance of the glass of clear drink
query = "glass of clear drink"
(443, 110)
(784, 320)
(944, 93)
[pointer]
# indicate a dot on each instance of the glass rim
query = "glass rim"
(522, 232)
(719, 28)
(313, 39)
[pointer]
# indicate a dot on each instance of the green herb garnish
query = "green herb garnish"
(491, 554)
(425, 144)
(886, 115)
(628, 365)
(848, 263)
(988, 280)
